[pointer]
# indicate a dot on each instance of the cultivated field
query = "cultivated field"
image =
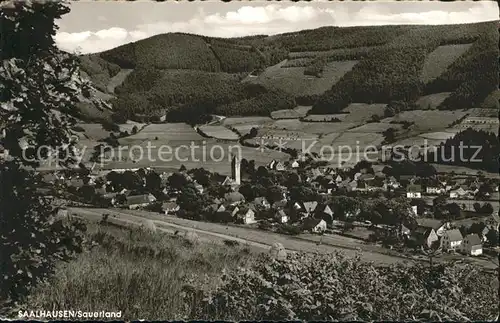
(324, 117)
(375, 127)
(218, 132)
(285, 114)
(427, 120)
(165, 132)
(439, 60)
(362, 112)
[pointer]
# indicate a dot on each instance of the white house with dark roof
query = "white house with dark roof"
(138, 201)
(451, 240)
(281, 216)
(414, 191)
(472, 245)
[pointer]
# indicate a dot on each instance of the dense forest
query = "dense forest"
(470, 148)
(197, 73)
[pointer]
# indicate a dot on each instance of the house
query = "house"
(199, 188)
(314, 225)
(414, 191)
(338, 179)
(295, 164)
(234, 198)
(246, 215)
(262, 202)
(460, 192)
(451, 239)
(439, 226)
(425, 236)
(309, 207)
(170, 208)
(279, 204)
(357, 175)
(434, 189)
(472, 245)
(404, 231)
(279, 166)
(137, 201)
(281, 216)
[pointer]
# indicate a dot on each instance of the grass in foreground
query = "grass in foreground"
(136, 272)
(157, 276)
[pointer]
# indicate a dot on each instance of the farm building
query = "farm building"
(170, 208)
(425, 236)
(451, 240)
(314, 225)
(472, 245)
(414, 192)
(281, 216)
(246, 215)
(137, 201)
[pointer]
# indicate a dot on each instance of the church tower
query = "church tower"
(236, 169)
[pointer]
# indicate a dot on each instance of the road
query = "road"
(252, 237)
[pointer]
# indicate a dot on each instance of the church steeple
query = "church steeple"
(236, 169)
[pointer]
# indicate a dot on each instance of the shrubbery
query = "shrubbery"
(332, 287)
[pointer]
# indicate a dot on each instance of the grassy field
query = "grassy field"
(285, 114)
(219, 132)
(440, 59)
(292, 79)
(428, 120)
(136, 272)
(431, 101)
(362, 112)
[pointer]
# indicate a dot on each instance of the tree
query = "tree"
(177, 181)
(134, 130)
(477, 207)
(36, 79)
(487, 208)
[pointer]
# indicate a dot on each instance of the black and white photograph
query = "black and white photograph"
(249, 160)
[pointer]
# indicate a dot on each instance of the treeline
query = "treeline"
(385, 76)
(470, 148)
(236, 60)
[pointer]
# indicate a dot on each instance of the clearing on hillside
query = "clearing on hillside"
(431, 101)
(293, 81)
(440, 59)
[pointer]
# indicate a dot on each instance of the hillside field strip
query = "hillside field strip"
(440, 59)
(427, 120)
(431, 101)
(218, 132)
(292, 79)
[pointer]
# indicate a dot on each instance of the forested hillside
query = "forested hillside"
(184, 75)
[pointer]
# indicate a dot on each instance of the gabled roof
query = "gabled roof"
(260, 200)
(454, 235)
(138, 199)
(170, 206)
(414, 188)
(429, 223)
(310, 206)
(473, 239)
(310, 223)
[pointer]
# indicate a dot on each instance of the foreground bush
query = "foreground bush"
(322, 287)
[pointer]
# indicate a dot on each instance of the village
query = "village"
(377, 204)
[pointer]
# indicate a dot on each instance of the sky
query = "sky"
(95, 26)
